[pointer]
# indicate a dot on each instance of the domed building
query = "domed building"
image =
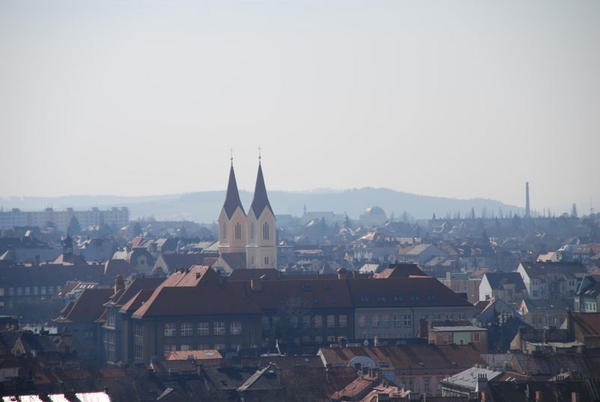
(373, 216)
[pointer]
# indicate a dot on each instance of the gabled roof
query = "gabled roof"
(235, 260)
(498, 279)
(136, 301)
(88, 306)
(175, 261)
(260, 201)
(232, 198)
(133, 288)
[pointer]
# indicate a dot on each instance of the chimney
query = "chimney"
(527, 211)
(342, 273)
(119, 283)
(538, 396)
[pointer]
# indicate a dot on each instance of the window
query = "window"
(364, 299)
(203, 328)
(343, 318)
(170, 329)
(475, 336)
(252, 260)
(27, 290)
(219, 328)
(169, 348)
(318, 321)
(139, 331)
(138, 352)
(318, 339)
(266, 323)
(385, 320)
(224, 231)
(252, 231)
(306, 321)
(220, 346)
(111, 318)
(362, 321)
(238, 231)
(375, 320)
(407, 320)
(43, 290)
(426, 384)
(203, 346)
(19, 291)
(1, 291)
(266, 260)
(396, 321)
(187, 329)
(35, 290)
(294, 321)
(235, 328)
(331, 321)
(185, 347)
(266, 233)
(381, 299)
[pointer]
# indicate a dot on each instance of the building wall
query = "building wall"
(94, 217)
(402, 322)
(258, 247)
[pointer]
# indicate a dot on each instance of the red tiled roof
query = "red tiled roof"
(589, 323)
(400, 271)
(229, 298)
(207, 354)
(301, 293)
(249, 274)
(354, 389)
(411, 358)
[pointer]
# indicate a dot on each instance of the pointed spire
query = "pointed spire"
(232, 199)
(260, 201)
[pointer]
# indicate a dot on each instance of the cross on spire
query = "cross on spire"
(259, 155)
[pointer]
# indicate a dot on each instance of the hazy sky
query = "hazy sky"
(450, 98)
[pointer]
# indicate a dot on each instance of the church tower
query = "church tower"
(232, 220)
(261, 249)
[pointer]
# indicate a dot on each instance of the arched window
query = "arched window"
(224, 231)
(266, 231)
(238, 231)
(252, 231)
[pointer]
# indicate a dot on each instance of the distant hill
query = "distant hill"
(205, 206)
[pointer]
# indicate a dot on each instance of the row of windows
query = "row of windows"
(30, 291)
(385, 320)
(309, 321)
(396, 299)
(200, 346)
(203, 328)
(237, 231)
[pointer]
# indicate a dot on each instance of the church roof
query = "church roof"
(260, 201)
(232, 199)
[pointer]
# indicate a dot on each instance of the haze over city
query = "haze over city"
(456, 100)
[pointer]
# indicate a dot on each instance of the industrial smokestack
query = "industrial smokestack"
(527, 211)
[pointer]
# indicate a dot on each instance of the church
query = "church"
(246, 240)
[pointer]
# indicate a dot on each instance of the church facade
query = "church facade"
(246, 240)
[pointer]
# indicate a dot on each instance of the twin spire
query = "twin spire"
(260, 200)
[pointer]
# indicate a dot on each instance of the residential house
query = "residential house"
(458, 335)
(506, 286)
(545, 280)
(393, 308)
(544, 313)
(587, 297)
(419, 367)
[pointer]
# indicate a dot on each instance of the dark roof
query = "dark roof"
(88, 306)
(297, 293)
(499, 279)
(232, 199)
(175, 261)
(136, 301)
(411, 291)
(541, 269)
(235, 260)
(133, 288)
(260, 201)
(249, 274)
(399, 271)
